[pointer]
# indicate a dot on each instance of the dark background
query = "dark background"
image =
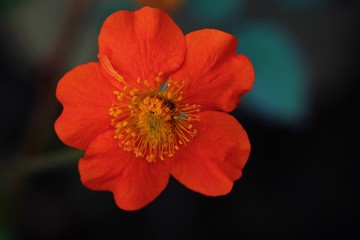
(301, 181)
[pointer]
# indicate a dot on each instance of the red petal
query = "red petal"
(142, 43)
(214, 158)
(133, 181)
(216, 77)
(86, 97)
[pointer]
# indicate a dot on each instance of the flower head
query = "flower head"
(156, 104)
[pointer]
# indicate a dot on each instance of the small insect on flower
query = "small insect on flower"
(156, 104)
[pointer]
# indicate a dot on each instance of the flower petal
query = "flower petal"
(216, 76)
(133, 181)
(142, 43)
(215, 157)
(86, 97)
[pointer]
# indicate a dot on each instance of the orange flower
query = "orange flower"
(156, 105)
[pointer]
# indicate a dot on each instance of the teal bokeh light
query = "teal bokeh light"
(108, 7)
(212, 11)
(280, 92)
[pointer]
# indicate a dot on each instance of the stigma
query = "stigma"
(152, 121)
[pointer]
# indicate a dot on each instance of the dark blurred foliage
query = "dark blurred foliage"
(301, 181)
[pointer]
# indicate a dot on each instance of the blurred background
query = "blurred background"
(301, 181)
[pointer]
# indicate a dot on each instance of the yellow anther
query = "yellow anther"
(151, 122)
(120, 96)
(133, 92)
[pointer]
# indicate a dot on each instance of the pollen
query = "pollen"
(152, 121)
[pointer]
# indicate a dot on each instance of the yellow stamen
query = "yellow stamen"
(152, 122)
(104, 60)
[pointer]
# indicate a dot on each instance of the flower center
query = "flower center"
(152, 122)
